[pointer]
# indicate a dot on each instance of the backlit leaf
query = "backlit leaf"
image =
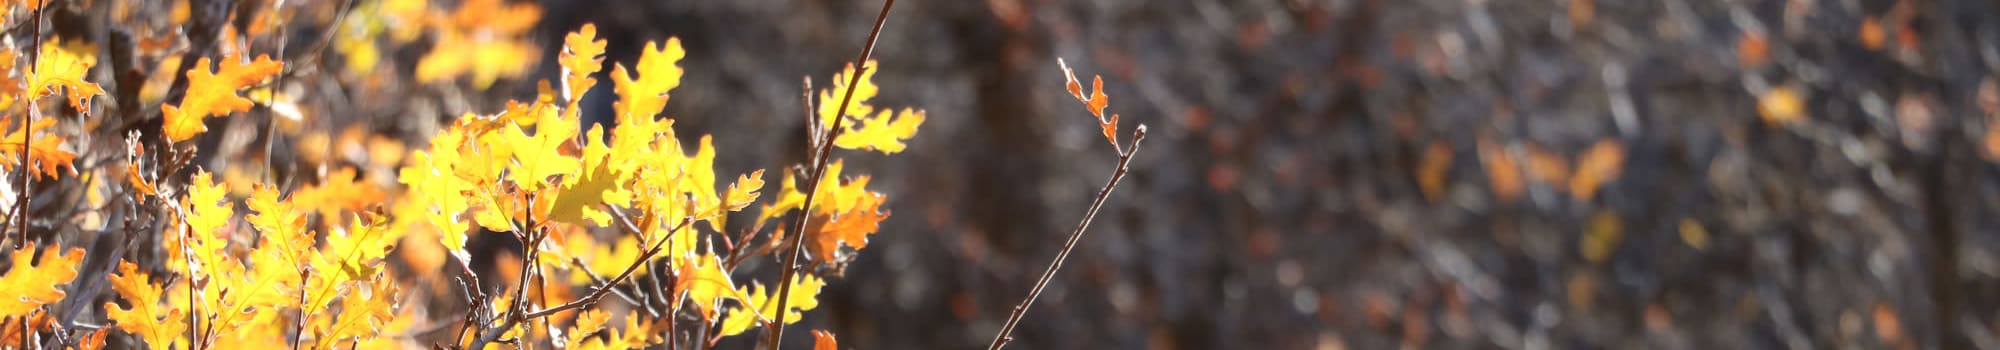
(214, 93)
(59, 69)
(27, 286)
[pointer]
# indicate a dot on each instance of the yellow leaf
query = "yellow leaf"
(1781, 106)
(645, 95)
(858, 107)
(762, 305)
(879, 133)
(589, 322)
(207, 212)
(582, 56)
(584, 196)
(744, 191)
(1603, 236)
(214, 93)
(60, 68)
(483, 38)
(160, 327)
(536, 158)
(29, 286)
(704, 282)
(361, 315)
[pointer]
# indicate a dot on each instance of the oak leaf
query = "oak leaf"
(161, 327)
(28, 286)
(59, 68)
(45, 153)
(214, 93)
(644, 95)
(1096, 101)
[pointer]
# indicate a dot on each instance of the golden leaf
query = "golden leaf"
(29, 286)
(213, 93)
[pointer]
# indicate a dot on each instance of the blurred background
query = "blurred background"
(1370, 174)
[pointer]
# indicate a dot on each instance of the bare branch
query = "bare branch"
(1014, 319)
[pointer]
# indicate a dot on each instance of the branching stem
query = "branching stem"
(1014, 319)
(819, 162)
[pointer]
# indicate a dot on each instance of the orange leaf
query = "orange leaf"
(851, 227)
(1433, 168)
(46, 151)
(213, 93)
(1547, 167)
(1872, 36)
(1503, 173)
(1075, 88)
(1097, 98)
(1596, 166)
(823, 340)
(1752, 49)
(1095, 102)
(30, 286)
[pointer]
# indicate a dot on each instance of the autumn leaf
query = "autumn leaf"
(879, 133)
(850, 227)
(644, 95)
(58, 69)
(761, 305)
(704, 282)
(161, 327)
(214, 93)
(29, 286)
(1600, 164)
(823, 340)
(208, 210)
(1781, 106)
(46, 152)
(857, 107)
(483, 38)
(583, 197)
(588, 322)
(338, 192)
(582, 56)
(1095, 102)
(1503, 173)
(1433, 169)
(866, 130)
(1602, 237)
(536, 157)
(361, 315)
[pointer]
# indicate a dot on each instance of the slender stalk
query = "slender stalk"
(819, 162)
(1014, 319)
(522, 313)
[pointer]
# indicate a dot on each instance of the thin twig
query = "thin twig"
(777, 335)
(628, 296)
(513, 317)
(1124, 159)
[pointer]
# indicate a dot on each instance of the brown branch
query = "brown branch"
(825, 145)
(1014, 319)
(628, 296)
(518, 314)
(28, 139)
